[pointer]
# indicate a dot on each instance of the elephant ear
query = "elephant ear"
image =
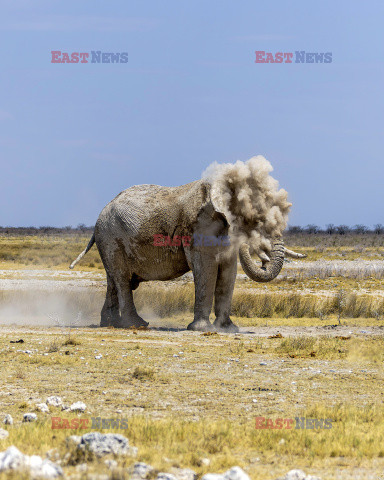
(212, 208)
(217, 203)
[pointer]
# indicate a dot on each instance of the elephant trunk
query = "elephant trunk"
(271, 269)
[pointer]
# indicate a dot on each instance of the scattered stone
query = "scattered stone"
(141, 471)
(205, 461)
(298, 475)
(3, 434)
(99, 357)
(35, 466)
(42, 407)
(165, 476)
(183, 473)
(104, 444)
(235, 473)
(78, 407)
(17, 341)
(8, 420)
(263, 363)
(29, 417)
(54, 401)
(111, 463)
(281, 441)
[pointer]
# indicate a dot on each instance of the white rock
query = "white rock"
(141, 470)
(54, 401)
(183, 473)
(165, 476)
(78, 407)
(29, 417)
(298, 475)
(98, 357)
(104, 444)
(3, 434)
(235, 473)
(205, 461)
(212, 476)
(13, 459)
(8, 420)
(42, 407)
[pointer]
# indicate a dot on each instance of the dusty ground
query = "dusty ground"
(197, 396)
(195, 378)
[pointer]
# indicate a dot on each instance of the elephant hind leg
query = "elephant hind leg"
(110, 315)
(128, 313)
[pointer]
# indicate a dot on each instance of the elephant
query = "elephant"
(198, 237)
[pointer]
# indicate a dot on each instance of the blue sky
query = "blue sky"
(73, 136)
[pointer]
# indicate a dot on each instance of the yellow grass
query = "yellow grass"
(200, 403)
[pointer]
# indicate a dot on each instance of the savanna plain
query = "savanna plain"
(310, 345)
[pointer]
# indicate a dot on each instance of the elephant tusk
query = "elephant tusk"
(292, 254)
(263, 257)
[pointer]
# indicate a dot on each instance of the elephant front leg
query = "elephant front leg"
(223, 295)
(204, 268)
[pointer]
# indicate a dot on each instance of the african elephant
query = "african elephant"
(239, 203)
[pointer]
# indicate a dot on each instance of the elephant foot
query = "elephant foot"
(135, 322)
(201, 326)
(225, 326)
(111, 321)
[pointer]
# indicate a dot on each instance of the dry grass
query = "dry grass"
(55, 251)
(200, 403)
(47, 251)
(189, 396)
(252, 303)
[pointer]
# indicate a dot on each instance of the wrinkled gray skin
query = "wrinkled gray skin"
(124, 235)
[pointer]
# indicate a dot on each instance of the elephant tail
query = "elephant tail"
(89, 246)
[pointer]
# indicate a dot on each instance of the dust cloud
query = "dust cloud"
(250, 198)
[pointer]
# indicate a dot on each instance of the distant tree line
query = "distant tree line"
(311, 229)
(332, 229)
(46, 230)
